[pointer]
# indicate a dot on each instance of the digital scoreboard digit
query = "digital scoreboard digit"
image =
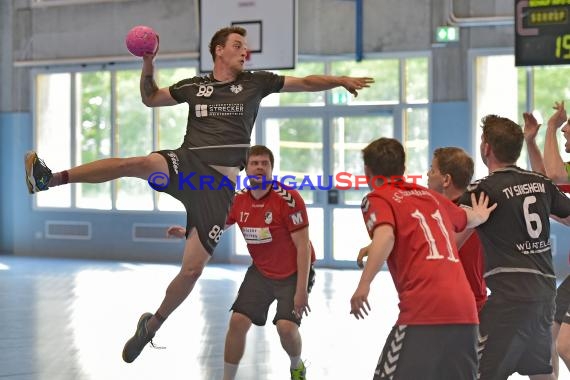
(542, 32)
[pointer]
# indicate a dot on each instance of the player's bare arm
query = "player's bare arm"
(378, 251)
(151, 95)
(552, 159)
(530, 130)
(325, 82)
(301, 298)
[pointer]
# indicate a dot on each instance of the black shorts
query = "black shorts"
(515, 337)
(563, 302)
(257, 292)
(429, 352)
(206, 194)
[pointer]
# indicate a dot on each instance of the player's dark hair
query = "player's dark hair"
(457, 163)
(504, 136)
(221, 37)
(260, 150)
(385, 157)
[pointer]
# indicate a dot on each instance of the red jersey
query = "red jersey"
(473, 260)
(267, 224)
(424, 262)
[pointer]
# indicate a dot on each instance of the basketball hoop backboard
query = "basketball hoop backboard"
(271, 31)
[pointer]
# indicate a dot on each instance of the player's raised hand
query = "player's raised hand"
(150, 56)
(353, 84)
(559, 117)
(531, 126)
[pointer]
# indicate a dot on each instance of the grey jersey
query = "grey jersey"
(516, 238)
(221, 115)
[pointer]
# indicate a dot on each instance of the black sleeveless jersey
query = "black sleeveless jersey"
(221, 115)
(516, 238)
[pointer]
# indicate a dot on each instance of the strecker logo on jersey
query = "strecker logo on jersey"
(225, 109)
(201, 110)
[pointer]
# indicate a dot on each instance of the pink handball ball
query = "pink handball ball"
(141, 40)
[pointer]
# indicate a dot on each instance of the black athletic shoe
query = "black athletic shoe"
(135, 345)
(37, 173)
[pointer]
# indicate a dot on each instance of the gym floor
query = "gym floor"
(69, 319)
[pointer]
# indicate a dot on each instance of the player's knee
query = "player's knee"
(239, 323)
(192, 273)
(287, 329)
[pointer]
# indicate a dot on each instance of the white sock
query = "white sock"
(295, 360)
(230, 371)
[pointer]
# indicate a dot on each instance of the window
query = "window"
(386, 89)
(105, 119)
(501, 88)
(351, 135)
(297, 144)
(53, 114)
(93, 131)
(298, 98)
(96, 113)
(321, 135)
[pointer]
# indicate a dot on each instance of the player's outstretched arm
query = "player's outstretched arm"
(377, 252)
(552, 159)
(530, 129)
(325, 82)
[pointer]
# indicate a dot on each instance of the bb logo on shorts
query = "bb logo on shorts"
(216, 233)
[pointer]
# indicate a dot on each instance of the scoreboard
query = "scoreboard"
(542, 32)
